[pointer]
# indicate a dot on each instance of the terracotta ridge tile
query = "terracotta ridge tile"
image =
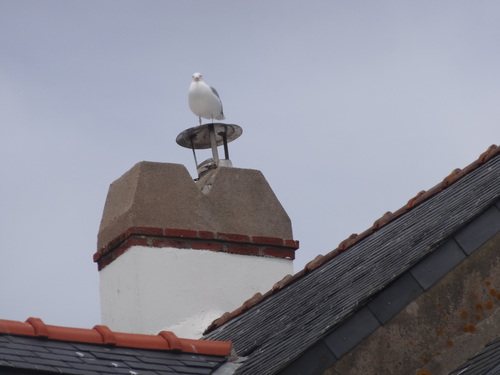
(282, 282)
(354, 238)
(451, 177)
(16, 328)
(315, 263)
(174, 342)
(386, 218)
(348, 241)
(39, 327)
(102, 335)
(415, 200)
(108, 336)
(256, 299)
(218, 348)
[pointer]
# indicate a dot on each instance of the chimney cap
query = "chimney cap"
(198, 137)
(209, 136)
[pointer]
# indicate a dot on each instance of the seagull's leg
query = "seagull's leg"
(199, 117)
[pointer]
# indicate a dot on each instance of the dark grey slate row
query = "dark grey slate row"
(486, 362)
(36, 355)
(439, 263)
(318, 315)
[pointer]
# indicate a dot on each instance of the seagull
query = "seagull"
(204, 100)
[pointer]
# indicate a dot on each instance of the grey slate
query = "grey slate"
(277, 331)
(313, 361)
(486, 362)
(349, 334)
(395, 297)
(479, 231)
(438, 263)
(33, 355)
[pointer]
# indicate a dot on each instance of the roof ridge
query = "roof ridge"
(355, 238)
(102, 335)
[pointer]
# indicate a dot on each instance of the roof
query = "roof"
(35, 346)
(486, 362)
(278, 327)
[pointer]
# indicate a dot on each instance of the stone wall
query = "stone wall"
(441, 329)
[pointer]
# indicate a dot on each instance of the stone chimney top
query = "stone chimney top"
(163, 195)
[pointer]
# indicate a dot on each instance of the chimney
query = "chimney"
(175, 254)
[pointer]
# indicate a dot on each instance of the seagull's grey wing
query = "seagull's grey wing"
(215, 92)
(217, 95)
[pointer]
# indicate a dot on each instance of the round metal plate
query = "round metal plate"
(199, 137)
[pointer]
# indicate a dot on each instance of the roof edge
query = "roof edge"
(355, 238)
(102, 335)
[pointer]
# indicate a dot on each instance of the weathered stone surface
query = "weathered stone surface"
(441, 329)
(163, 195)
(241, 201)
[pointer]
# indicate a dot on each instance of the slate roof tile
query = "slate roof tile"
(64, 358)
(165, 360)
(486, 362)
(32, 366)
(74, 371)
(197, 371)
(273, 329)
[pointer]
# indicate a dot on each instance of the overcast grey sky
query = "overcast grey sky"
(349, 108)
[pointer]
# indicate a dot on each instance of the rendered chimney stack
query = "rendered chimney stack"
(175, 254)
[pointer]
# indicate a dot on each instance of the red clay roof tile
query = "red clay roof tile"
(103, 335)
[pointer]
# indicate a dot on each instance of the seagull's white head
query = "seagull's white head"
(197, 77)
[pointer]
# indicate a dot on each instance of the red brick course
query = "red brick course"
(197, 240)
